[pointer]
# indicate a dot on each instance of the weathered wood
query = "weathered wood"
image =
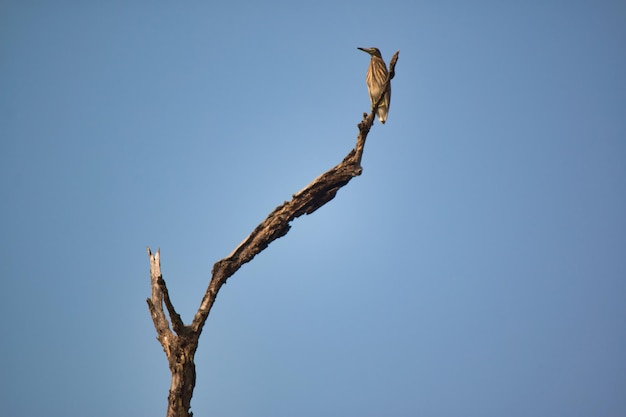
(180, 344)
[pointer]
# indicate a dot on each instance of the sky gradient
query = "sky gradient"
(476, 268)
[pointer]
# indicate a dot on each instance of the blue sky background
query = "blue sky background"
(476, 268)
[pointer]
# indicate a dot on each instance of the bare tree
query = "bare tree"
(181, 341)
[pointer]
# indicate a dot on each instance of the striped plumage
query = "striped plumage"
(375, 80)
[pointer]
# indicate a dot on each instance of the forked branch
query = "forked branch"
(181, 346)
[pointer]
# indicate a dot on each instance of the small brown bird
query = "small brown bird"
(375, 80)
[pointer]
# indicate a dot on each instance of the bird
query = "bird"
(375, 80)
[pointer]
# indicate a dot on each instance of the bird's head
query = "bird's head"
(372, 51)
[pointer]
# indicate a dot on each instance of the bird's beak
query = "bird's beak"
(364, 50)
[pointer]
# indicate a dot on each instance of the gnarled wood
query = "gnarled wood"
(181, 341)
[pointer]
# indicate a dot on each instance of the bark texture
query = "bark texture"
(180, 341)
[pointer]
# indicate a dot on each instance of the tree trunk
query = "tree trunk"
(183, 371)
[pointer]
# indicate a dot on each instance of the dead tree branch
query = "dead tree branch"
(181, 344)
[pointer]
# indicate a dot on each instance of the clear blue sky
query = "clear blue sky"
(476, 268)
